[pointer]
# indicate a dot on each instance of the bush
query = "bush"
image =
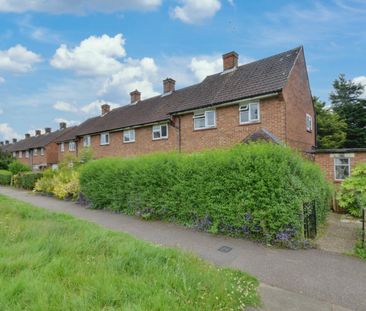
(352, 194)
(256, 190)
(5, 177)
(5, 159)
(17, 167)
(26, 180)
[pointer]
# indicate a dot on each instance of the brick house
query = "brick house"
(39, 151)
(271, 96)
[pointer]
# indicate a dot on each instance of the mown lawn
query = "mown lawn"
(52, 261)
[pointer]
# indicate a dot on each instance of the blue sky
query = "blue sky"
(60, 59)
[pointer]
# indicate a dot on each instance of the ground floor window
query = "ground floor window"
(342, 168)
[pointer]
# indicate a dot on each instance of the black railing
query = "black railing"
(310, 223)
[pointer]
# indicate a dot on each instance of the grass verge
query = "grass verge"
(51, 261)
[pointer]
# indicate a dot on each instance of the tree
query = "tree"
(331, 129)
(347, 103)
(5, 159)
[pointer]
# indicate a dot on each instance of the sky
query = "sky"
(61, 59)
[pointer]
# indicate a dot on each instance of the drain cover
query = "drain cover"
(225, 249)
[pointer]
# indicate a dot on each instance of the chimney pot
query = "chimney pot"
(62, 125)
(169, 85)
(135, 96)
(6, 142)
(105, 109)
(47, 130)
(27, 135)
(230, 60)
(14, 140)
(38, 132)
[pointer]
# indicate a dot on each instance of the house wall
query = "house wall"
(24, 160)
(297, 96)
(326, 163)
(66, 153)
(229, 131)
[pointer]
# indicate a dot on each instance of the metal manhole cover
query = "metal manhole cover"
(225, 249)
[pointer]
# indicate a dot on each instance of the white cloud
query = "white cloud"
(68, 122)
(7, 132)
(362, 81)
(64, 106)
(1, 111)
(18, 59)
(94, 108)
(76, 6)
(195, 12)
(205, 66)
(94, 56)
(2, 80)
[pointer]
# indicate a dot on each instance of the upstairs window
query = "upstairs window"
(27, 154)
(104, 139)
(160, 131)
(249, 113)
(87, 141)
(20, 154)
(42, 151)
(204, 120)
(72, 146)
(342, 168)
(62, 147)
(129, 136)
(35, 152)
(309, 123)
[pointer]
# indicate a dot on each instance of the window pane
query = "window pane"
(210, 115)
(132, 135)
(199, 123)
(107, 138)
(164, 131)
(254, 115)
(156, 134)
(342, 172)
(244, 116)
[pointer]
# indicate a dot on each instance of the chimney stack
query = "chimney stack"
(1, 143)
(62, 125)
(47, 130)
(14, 140)
(105, 109)
(135, 96)
(27, 135)
(230, 60)
(38, 132)
(6, 142)
(169, 85)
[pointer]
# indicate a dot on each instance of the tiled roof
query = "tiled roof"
(37, 141)
(261, 77)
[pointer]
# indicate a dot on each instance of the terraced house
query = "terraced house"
(269, 98)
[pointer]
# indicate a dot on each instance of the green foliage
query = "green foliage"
(5, 177)
(255, 190)
(26, 180)
(347, 103)
(352, 194)
(52, 261)
(17, 167)
(5, 159)
(331, 129)
(360, 251)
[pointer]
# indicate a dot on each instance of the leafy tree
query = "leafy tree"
(331, 129)
(347, 103)
(5, 159)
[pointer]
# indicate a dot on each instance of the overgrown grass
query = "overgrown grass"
(52, 261)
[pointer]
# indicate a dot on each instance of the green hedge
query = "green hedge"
(16, 167)
(5, 177)
(254, 190)
(26, 180)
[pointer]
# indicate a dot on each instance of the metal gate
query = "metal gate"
(310, 225)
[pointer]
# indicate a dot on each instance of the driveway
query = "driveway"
(306, 280)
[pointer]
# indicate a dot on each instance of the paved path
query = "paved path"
(304, 280)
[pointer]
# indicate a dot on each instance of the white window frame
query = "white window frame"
(104, 142)
(72, 146)
(343, 165)
(20, 154)
(157, 129)
(203, 114)
(62, 147)
(310, 119)
(87, 141)
(14, 154)
(42, 151)
(27, 154)
(250, 105)
(130, 138)
(35, 152)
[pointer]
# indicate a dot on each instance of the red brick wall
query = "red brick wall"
(326, 163)
(62, 155)
(229, 131)
(297, 96)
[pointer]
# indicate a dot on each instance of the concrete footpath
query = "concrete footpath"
(303, 280)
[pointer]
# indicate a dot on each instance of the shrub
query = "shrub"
(5, 159)
(16, 167)
(26, 180)
(352, 194)
(5, 177)
(255, 190)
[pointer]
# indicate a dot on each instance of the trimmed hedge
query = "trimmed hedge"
(26, 180)
(5, 177)
(254, 190)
